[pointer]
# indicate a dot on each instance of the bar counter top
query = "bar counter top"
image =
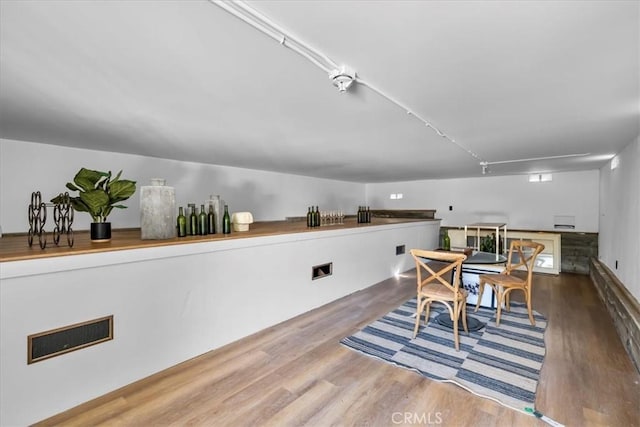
(15, 247)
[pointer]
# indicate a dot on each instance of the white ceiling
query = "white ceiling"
(186, 80)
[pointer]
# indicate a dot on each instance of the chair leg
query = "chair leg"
(531, 319)
(424, 305)
(480, 292)
(418, 314)
(500, 297)
(456, 339)
(464, 316)
(426, 313)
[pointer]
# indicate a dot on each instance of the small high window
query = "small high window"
(615, 162)
(540, 177)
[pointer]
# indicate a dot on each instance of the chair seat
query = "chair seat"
(503, 279)
(439, 290)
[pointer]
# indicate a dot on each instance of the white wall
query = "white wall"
(513, 199)
(26, 167)
(619, 238)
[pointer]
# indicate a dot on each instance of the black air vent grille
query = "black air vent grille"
(320, 271)
(55, 342)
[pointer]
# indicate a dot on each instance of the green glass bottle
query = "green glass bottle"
(203, 221)
(316, 217)
(182, 223)
(446, 241)
(193, 220)
(226, 221)
(211, 221)
(309, 222)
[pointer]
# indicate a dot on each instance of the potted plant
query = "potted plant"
(98, 195)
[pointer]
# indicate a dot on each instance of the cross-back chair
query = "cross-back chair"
(521, 254)
(434, 285)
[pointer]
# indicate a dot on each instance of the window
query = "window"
(540, 177)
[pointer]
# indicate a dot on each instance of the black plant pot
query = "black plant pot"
(100, 231)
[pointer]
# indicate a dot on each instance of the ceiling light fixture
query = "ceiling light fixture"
(485, 167)
(342, 78)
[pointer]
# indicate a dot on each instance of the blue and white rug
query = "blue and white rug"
(499, 363)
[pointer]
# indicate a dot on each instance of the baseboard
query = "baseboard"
(623, 308)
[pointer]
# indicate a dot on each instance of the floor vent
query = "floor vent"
(55, 342)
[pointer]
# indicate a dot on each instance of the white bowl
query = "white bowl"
(241, 221)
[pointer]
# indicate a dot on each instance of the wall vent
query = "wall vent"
(320, 271)
(55, 342)
(399, 249)
(564, 221)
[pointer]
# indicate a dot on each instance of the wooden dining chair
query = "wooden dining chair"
(434, 286)
(521, 254)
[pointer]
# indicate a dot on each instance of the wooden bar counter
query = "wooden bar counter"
(14, 247)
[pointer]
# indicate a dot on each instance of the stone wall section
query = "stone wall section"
(623, 308)
(576, 251)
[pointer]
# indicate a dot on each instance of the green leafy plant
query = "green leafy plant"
(98, 193)
(488, 243)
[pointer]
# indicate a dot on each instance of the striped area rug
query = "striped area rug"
(499, 363)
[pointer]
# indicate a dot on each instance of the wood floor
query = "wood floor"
(297, 373)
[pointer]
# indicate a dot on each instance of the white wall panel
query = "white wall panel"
(512, 199)
(619, 238)
(26, 167)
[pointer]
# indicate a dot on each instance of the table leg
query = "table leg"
(444, 319)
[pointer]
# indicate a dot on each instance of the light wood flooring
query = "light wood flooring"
(297, 373)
